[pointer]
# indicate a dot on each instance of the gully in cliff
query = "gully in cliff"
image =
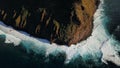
(59, 21)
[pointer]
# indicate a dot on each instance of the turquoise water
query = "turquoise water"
(101, 50)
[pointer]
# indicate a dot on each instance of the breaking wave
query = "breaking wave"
(101, 50)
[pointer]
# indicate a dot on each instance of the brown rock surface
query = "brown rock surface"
(60, 21)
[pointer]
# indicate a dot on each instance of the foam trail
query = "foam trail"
(98, 49)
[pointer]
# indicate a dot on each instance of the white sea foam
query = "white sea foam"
(101, 45)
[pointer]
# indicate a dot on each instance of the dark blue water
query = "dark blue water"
(112, 10)
(20, 57)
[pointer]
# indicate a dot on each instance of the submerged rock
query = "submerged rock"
(59, 21)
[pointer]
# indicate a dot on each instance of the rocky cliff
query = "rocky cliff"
(60, 21)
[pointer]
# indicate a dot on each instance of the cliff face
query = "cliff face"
(60, 21)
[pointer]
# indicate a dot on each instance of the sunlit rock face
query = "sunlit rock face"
(101, 50)
(59, 21)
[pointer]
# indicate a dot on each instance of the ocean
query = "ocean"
(101, 50)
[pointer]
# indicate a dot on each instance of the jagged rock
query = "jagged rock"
(60, 21)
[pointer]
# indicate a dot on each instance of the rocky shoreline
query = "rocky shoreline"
(61, 22)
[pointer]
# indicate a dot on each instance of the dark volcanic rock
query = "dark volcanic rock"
(60, 21)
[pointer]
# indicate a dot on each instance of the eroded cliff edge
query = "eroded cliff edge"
(60, 21)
